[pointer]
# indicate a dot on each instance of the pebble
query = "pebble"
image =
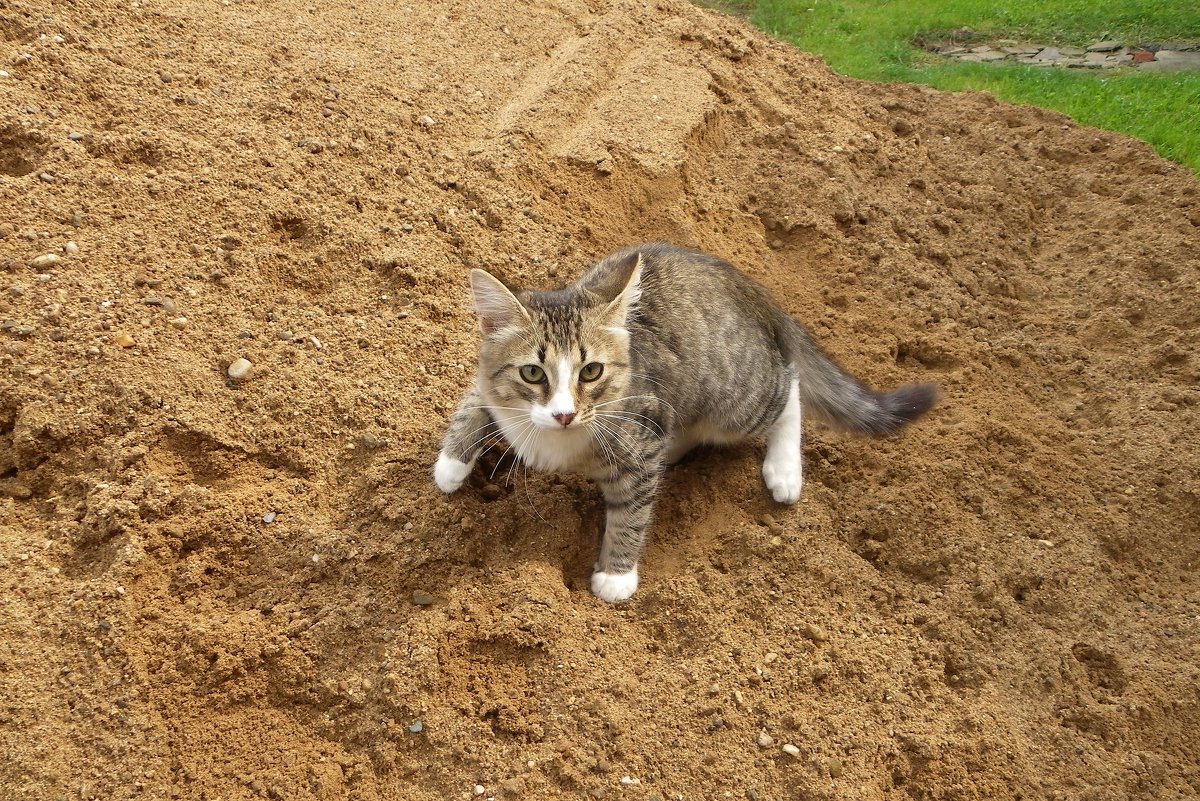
(790, 750)
(814, 632)
(45, 261)
(422, 598)
(71, 249)
(75, 136)
(765, 740)
(180, 322)
(479, 789)
(240, 369)
(416, 727)
(835, 768)
(425, 121)
(630, 781)
(124, 340)
(491, 492)
(269, 518)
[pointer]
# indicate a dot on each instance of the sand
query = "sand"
(207, 584)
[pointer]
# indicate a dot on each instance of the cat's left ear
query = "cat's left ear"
(625, 282)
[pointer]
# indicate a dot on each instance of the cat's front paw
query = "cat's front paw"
(614, 587)
(449, 473)
(783, 478)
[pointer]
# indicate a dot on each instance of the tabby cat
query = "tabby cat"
(654, 350)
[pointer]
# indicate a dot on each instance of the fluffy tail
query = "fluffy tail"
(841, 400)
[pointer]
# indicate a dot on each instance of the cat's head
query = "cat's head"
(559, 357)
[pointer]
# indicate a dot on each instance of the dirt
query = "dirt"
(220, 589)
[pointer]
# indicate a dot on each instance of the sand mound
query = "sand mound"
(208, 584)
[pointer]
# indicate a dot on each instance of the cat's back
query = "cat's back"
(680, 284)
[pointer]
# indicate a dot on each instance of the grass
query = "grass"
(873, 41)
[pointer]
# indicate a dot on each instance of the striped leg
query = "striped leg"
(630, 503)
(469, 427)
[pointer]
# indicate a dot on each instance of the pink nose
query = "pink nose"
(564, 417)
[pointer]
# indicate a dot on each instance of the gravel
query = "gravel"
(240, 369)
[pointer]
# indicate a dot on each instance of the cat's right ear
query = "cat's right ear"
(496, 306)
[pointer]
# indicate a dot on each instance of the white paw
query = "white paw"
(449, 473)
(783, 477)
(613, 587)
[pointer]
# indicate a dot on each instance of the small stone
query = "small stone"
(240, 369)
(75, 136)
(16, 291)
(179, 322)
(425, 121)
(71, 249)
(46, 177)
(790, 750)
(479, 789)
(752, 794)
(165, 76)
(814, 632)
(416, 727)
(124, 340)
(490, 492)
(835, 768)
(630, 781)
(1107, 46)
(45, 261)
(765, 740)
(1044, 543)
(269, 518)
(422, 598)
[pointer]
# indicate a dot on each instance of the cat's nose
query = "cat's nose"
(564, 417)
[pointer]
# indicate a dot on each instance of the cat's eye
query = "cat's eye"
(591, 371)
(533, 374)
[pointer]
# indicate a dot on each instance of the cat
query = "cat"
(654, 350)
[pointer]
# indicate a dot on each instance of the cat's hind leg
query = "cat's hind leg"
(782, 469)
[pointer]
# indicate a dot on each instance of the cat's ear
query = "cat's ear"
(622, 287)
(496, 306)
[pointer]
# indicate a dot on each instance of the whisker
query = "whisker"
(622, 419)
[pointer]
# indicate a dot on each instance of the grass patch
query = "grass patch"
(873, 41)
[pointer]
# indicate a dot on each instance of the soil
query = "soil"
(235, 589)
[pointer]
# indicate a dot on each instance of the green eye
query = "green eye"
(591, 371)
(533, 374)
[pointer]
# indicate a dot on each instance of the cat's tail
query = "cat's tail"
(843, 401)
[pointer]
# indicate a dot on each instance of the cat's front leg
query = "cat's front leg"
(469, 429)
(629, 500)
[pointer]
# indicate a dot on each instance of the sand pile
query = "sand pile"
(208, 585)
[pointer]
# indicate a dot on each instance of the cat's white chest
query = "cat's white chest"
(545, 449)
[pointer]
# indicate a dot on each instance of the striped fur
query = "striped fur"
(652, 351)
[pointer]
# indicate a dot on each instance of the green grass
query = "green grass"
(873, 41)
